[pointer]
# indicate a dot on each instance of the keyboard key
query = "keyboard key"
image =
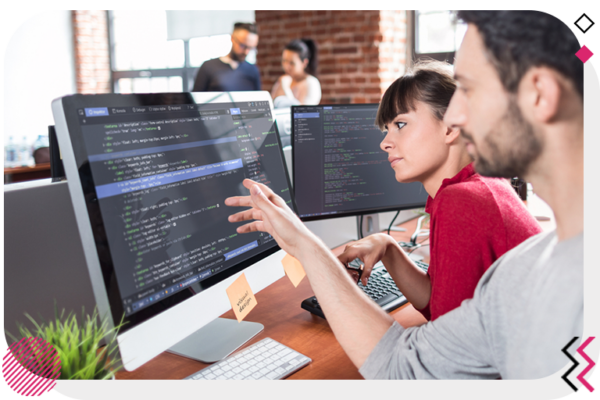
(386, 299)
(256, 375)
(229, 374)
(280, 370)
(271, 366)
(236, 370)
(245, 372)
(264, 371)
(272, 375)
(210, 376)
(253, 369)
(221, 378)
(294, 362)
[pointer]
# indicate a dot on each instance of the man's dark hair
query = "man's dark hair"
(306, 49)
(246, 26)
(518, 40)
(428, 81)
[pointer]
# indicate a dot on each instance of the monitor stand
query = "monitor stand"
(217, 340)
(370, 225)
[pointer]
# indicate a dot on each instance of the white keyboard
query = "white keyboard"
(266, 359)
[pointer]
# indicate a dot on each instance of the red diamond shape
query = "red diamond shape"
(584, 54)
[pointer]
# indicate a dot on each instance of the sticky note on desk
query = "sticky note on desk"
(241, 297)
(293, 269)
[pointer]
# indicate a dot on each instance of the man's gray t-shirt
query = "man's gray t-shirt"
(526, 308)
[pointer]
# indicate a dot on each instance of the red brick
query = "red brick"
(345, 50)
(372, 90)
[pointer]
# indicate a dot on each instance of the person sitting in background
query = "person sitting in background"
(232, 72)
(299, 84)
(474, 219)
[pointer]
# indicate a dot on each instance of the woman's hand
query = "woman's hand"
(271, 215)
(370, 250)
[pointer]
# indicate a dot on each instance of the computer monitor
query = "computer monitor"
(57, 170)
(148, 175)
(338, 167)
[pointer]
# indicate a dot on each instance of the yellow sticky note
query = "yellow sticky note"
(293, 269)
(241, 297)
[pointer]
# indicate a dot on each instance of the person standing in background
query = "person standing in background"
(299, 85)
(232, 72)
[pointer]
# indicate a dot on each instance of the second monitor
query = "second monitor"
(339, 168)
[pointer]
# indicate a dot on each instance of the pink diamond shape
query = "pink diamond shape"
(584, 54)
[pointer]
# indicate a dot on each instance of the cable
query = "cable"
(360, 234)
(416, 247)
(392, 223)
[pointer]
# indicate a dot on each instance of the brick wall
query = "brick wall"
(360, 52)
(92, 59)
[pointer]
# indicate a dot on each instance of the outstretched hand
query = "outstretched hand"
(270, 214)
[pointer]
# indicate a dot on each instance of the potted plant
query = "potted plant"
(79, 347)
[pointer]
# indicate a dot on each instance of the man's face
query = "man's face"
(499, 138)
(242, 43)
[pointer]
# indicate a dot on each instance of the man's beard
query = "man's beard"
(236, 57)
(512, 146)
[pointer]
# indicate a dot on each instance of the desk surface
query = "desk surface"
(278, 309)
(26, 169)
(21, 174)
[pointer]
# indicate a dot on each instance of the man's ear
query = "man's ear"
(452, 134)
(540, 91)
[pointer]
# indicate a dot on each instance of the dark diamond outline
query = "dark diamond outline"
(584, 14)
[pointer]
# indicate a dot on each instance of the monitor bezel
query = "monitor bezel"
(75, 156)
(345, 213)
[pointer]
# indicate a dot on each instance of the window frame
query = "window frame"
(447, 56)
(187, 72)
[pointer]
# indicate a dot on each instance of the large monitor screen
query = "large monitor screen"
(339, 168)
(155, 171)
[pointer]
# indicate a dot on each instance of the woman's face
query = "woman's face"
(292, 64)
(416, 144)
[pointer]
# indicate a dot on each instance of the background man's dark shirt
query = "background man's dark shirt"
(216, 76)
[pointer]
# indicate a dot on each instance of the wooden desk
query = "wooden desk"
(22, 174)
(278, 309)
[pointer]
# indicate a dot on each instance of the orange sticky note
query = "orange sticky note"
(293, 269)
(241, 297)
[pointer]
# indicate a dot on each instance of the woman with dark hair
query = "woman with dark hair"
(474, 219)
(299, 85)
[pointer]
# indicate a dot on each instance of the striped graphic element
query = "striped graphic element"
(31, 366)
(575, 363)
(591, 364)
